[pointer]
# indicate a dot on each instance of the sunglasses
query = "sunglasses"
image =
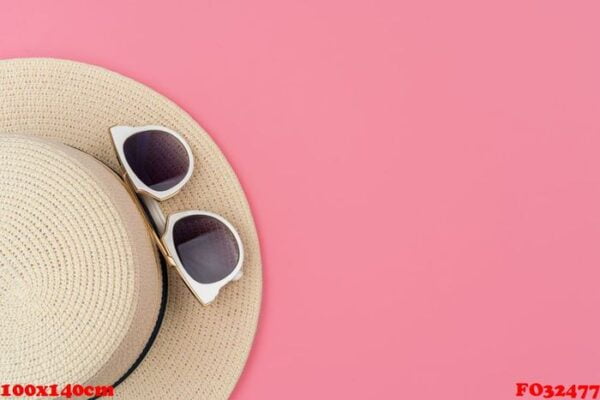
(204, 247)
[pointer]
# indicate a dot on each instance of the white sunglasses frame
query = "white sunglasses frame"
(120, 134)
(204, 292)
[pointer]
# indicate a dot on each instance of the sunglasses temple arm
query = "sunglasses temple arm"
(155, 212)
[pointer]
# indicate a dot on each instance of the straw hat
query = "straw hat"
(81, 285)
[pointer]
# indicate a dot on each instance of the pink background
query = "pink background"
(425, 176)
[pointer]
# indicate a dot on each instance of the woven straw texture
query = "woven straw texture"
(77, 268)
(200, 351)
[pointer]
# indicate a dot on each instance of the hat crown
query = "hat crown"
(80, 285)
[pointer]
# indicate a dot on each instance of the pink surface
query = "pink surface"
(424, 175)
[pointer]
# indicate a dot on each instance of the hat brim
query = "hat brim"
(199, 352)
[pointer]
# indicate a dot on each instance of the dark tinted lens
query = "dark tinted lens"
(158, 159)
(206, 247)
